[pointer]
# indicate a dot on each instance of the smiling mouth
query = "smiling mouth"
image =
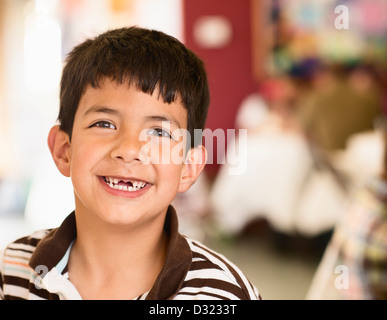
(129, 185)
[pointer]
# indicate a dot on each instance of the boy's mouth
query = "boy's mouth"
(129, 185)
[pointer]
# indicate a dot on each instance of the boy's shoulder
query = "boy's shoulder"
(15, 262)
(213, 276)
(33, 238)
(19, 252)
(26, 245)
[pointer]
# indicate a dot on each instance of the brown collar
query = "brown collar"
(52, 248)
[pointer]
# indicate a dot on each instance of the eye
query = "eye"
(158, 132)
(103, 125)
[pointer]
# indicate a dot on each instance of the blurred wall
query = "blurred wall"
(229, 65)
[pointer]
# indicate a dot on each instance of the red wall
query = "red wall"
(229, 68)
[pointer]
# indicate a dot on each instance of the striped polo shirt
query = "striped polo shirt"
(35, 267)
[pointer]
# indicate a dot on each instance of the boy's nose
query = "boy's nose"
(127, 149)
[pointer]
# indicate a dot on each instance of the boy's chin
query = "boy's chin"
(126, 218)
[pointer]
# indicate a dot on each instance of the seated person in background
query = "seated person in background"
(338, 104)
(129, 99)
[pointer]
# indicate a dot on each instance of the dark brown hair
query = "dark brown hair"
(148, 59)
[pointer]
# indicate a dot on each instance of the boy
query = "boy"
(128, 100)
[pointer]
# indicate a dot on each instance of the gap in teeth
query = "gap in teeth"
(114, 184)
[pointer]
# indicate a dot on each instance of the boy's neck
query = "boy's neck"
(109, 262)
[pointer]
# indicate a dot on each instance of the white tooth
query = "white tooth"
(113, 183)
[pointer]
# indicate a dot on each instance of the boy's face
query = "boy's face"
(111, 180)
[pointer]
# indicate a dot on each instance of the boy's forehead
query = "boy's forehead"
(106, 83)
(101, 98)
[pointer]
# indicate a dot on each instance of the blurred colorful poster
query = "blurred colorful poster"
(306, 29)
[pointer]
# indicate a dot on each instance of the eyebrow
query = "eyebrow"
(101, 109)
(164, 118)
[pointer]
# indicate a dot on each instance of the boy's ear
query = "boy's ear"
(194, 164)
(59, 145)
